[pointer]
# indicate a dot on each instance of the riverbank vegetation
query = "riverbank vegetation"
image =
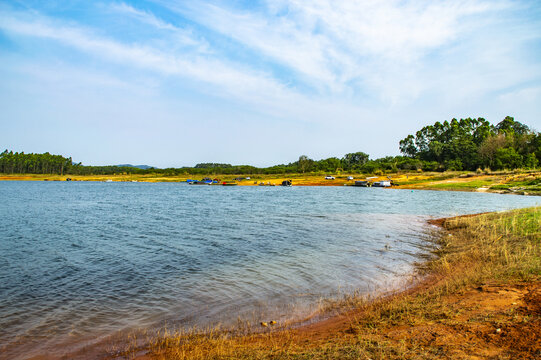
(470, 144)
(480, 297)
(521, 182)
(465, 144)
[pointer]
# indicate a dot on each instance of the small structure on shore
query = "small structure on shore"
(362, 183)
(226, 183)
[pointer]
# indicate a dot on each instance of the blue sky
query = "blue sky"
(175, 83)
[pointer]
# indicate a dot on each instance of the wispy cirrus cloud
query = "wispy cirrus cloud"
(222, 77)
(331, 68)
(181, 36)
(381, 51)
(345, 46)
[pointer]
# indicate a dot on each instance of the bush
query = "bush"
(531, 161)
(454, 165)
(507, 158)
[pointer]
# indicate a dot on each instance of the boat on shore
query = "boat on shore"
(362, 183)
(204, 181)
(383, 183)
(198, 182)
(229, 184)
(287, 183)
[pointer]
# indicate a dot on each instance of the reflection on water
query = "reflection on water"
(81, 260)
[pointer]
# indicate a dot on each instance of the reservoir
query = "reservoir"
(82, 261)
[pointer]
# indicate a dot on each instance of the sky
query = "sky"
(175, 83)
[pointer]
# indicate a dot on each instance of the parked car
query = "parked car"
(350, 177)
(329, 177)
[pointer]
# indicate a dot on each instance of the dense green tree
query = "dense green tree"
(507, 158)
(212, 165)
(305, 163)
(536, 146)
(488, 148)
(407, 146)
(330, 165)
(356, 159)
(530, 161)
(21, 163)
(509, 125)
(464, 144)
(472, 143)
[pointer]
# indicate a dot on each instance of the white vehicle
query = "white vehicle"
(329, 177)
(350, 177)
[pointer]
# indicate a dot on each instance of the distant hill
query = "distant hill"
(144, 167)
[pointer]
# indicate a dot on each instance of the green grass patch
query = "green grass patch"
(465, 185)
(420, 181)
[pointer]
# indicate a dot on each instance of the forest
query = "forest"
(470, 144)
(465, 144)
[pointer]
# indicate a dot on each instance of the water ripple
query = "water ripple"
(86, 259)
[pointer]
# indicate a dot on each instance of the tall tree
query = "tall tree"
(355, 159)
(471, 143)
(304, 163)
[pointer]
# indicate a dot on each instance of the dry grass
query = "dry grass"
(522, 182)
(481, 298)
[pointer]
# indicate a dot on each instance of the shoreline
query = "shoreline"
(473, 302)
(429, 318)
(522, 183)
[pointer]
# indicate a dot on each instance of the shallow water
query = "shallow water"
(81, 260)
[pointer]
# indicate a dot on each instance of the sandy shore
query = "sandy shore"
(520, 183)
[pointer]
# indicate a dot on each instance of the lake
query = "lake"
(81, 261)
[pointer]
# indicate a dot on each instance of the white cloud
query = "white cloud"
(342, 46)
(340, 70)
(234, 81)
(374, 50)
(145, 17)
(181, 36)
(397, 30)
(278, 38)
(221, 77)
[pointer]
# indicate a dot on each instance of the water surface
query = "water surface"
(83, 260)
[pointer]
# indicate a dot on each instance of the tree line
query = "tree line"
(21, 163)
(465, 144)
(470, 144)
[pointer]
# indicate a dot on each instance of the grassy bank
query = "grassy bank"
(516, 182)
(480, 298)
